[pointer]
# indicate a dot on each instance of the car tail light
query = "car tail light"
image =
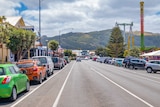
(47, 66)
(6, 80)
(35, 69)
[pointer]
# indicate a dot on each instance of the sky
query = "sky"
(64, 16)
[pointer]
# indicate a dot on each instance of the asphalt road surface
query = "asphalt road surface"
(92, 84)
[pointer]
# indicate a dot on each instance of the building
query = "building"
(81, 52)
(18, 22)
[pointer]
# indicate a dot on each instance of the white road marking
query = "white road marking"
(145, 102)
(136, 72)
(138, 76)
(148, 76)
(35, 89)
(62, 88)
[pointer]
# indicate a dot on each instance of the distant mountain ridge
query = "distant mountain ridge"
(92, 40)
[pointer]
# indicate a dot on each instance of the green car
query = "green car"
(12, 81)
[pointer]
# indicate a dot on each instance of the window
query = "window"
(135, 61)
(43, 60)
(12, 70)
(38, 63)
(16, 69)
(25, 65)
(152, 61)
(55, 60)
(158, 62)
(155, 62)
(49, 59)
(2, 71)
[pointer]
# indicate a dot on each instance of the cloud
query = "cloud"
(83, 15)
(7, 8)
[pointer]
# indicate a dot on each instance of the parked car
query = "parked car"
(12, 81)
(78, 59)
(107, 60)
(57, 62)
(86, 58)
(112, 61)
(65, 62)
(101, 59)
(125, 61)
(136, 63)
(35, 70)
(67, 59)
(152, 66)
(119, 61)
(94, 58)
(47, 60)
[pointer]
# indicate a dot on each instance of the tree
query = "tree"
(115, 47)
(4, 32)
(30, 39)
(126, 53)
(100, 51)
(20, 41)
(135, 52)
(53, 45)
(68, 53)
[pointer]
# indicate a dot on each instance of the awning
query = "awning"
(154, 53)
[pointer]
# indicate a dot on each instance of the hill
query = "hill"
(92, 40)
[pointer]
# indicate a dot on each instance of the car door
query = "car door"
(16, 78)
(41, 68)
(153, 65)
(51, 64)
(142, 63)
(157, 65)
(22, 78)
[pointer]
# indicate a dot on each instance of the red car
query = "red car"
(35, 70)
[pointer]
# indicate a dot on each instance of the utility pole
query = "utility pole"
(40, 21)
(59, 38)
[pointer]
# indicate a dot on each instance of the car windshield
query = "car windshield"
(55, 60)
(25, 65)
(43, 60)
(2, 71)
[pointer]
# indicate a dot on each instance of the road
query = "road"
(92, 84)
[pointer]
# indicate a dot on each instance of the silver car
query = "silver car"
(152, 66)
(46, 60)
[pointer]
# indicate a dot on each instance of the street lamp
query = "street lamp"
(59, 38)
(47, 47)
(40, 21)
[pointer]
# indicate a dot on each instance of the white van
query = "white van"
(48, 62)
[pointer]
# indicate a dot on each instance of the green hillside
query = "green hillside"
(92, 40)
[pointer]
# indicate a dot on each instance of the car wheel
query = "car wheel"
(48, 73)
(14, 94)
(59, 67)
(27, 86)
(131, 67)
(154, 71)
(46, 76)
(40, 79)
(52, 71)
(149, 70)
